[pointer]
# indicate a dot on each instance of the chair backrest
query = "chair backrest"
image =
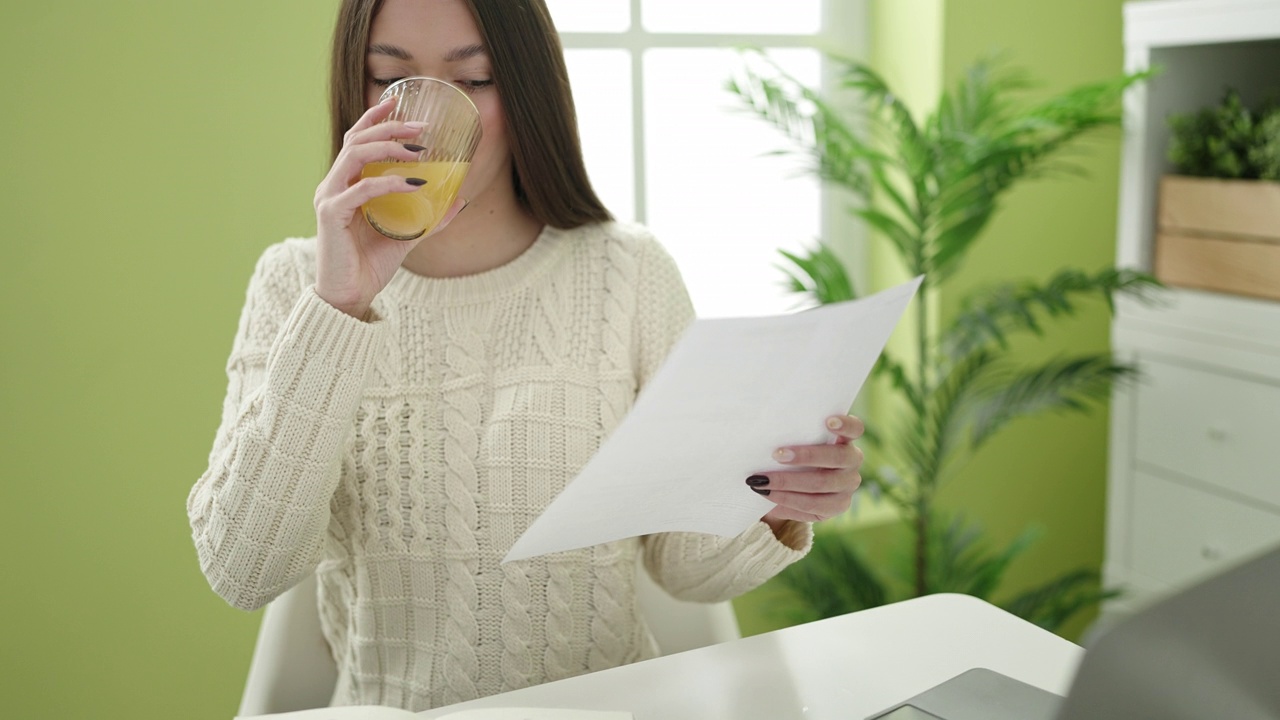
(678, 625)
(292, 669)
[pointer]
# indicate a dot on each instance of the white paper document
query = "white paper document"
(730, 393)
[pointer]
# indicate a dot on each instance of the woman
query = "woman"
(399, 412)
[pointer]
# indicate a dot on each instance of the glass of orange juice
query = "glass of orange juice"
(449, 139)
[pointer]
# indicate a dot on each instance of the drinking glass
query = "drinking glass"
(449, 138)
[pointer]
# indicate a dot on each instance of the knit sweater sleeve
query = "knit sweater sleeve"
(298, 367)
(695, 566)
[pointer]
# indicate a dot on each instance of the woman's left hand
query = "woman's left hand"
(823, 481)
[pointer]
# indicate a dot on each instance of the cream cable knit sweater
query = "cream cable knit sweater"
(399, 459)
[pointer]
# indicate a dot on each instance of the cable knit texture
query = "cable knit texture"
(399, 459)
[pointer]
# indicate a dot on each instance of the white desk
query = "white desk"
(846, 667)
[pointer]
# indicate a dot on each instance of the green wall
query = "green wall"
(152, 150)
(1049, 471)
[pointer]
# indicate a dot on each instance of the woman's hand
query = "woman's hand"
(354, 262)
(822, 484)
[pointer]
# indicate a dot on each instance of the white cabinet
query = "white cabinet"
(1180, 533)
(1194, 468)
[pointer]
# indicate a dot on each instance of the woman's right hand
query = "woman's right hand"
(354, 262)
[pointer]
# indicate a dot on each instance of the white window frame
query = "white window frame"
(843, 32)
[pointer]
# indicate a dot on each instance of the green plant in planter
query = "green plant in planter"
(1228, 141)
(1265, 154)
(929, 189)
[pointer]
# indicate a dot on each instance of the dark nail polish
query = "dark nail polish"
(414, 148)
(762, 491)
(419, 182)
(758, 480)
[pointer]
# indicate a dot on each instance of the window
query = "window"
(698, 169)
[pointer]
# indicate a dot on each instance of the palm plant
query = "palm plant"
(928, 189)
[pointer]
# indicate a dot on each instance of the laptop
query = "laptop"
(1211, 651)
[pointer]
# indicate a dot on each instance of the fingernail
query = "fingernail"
(465, 204)
(784, 455)
(834, 423)
(413, 148)
(415, 125)
(417, 182)
(761, 491)
(758, 480)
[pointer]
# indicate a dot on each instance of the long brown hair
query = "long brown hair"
(529, 71)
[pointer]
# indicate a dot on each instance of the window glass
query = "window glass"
(590, 15)
(716, 198)
(601, 82)
(733, 16)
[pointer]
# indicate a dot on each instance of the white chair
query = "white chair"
(292, 669)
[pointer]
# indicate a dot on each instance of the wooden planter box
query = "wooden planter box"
(1221, 235)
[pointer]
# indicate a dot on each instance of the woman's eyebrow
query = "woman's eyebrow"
(394, 51)
(465, 52)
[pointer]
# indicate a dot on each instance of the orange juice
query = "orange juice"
(405, 216)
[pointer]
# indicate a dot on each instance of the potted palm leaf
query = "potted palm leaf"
(927, 189)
